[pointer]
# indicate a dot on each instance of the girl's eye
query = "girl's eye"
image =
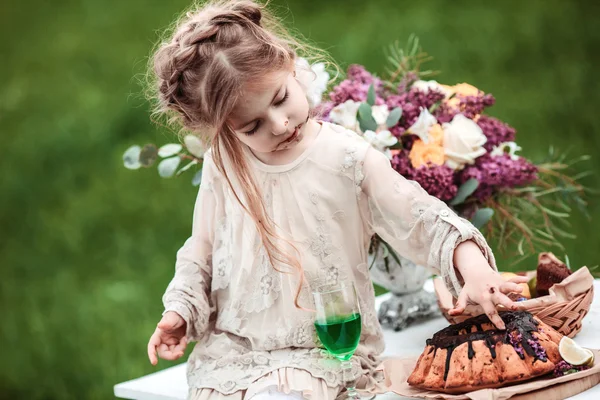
(253, 130)
(285, 97)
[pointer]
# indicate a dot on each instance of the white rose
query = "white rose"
(381, 141)
(423, 124)
(463, 142)
(380, 114)
(345, 114)
(313, 78)
(507, 147)
(427, 86)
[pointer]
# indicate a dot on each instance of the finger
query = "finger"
(490, 309)
(503, 300)
(518, 279)
(461, 304)
(510, 287)
(170, 321)
(171, 340)
(167, 354)
(152, 344)
(182, 345)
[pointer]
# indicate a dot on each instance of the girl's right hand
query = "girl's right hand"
(168, 338)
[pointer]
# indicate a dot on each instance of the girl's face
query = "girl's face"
(270, 113)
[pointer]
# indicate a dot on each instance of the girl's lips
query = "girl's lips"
(293, 136)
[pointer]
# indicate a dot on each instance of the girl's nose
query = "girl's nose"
(281, 127)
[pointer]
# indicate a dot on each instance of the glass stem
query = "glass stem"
(349, 380)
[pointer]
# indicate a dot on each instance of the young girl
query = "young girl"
(287, 203)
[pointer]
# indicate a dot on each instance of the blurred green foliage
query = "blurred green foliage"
(87, 247)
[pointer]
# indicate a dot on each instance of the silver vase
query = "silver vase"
(410, 302)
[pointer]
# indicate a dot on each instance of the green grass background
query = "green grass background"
(87, 247)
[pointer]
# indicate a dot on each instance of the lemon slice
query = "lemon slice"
(574, 354)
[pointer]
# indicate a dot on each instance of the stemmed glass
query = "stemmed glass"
(338, 325)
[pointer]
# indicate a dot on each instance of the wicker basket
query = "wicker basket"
(563, 309)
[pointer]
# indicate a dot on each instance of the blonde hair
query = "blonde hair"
(197, 76)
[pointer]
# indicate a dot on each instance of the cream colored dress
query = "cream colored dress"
(330, 201)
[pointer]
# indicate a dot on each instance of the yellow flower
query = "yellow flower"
(436, 135)
(464, 89)
(461, 90)
(426, 153)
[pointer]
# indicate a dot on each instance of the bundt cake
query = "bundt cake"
(550, 270)
(474, 354)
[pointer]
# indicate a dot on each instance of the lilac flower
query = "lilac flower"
(401, 163)
(407, 80)
(358, 73)
(437, 180)
(540, 352)
(494, 173)
(322, 110)
(515, 341)
(471, 106)
(496, 131)
(411, 103)
(349, 90)
(564, 368)
(445, 113)
(356, 86)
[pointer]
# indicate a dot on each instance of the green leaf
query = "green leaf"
(435, 106)
(365, 118)
(394, 117)
(197, 179)
(148, 155)
(465, 190)
(186, 167)
(520, 246)
(371, 95)
(555, 213)
(194, 145)
(396, 146)
(481, 217)
(168, 166)
(131, 157)
(379, 290)
(392, 252)
(169, 150)
(563, 233)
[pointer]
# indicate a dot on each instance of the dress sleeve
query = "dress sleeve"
(418, 226)
(188, 293)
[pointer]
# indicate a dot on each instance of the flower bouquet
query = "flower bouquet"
(440, 136)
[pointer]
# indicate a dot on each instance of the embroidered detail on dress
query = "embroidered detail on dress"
(264, 285)
(350, 158)
(338, 215)
(359, 177)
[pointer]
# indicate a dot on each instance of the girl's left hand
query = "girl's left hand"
(488, 289)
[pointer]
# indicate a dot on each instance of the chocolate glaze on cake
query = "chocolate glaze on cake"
(519, 328)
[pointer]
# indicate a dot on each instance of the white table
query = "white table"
(170, 384)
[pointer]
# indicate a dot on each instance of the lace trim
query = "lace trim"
(238, 369)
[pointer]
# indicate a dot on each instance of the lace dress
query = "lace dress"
(329, 201)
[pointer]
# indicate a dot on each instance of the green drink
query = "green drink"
(340, 335)
(338, 325)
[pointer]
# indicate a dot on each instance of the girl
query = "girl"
(287, 203)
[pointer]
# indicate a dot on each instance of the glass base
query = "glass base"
(358, 395)
(400, 311)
